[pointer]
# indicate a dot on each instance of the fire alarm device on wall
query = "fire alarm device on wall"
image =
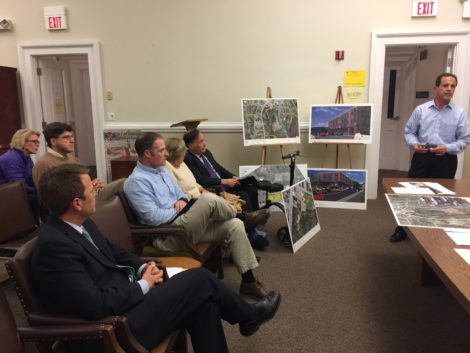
(339, 55)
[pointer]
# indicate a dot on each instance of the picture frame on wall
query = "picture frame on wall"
(339, 188)
(340, 123)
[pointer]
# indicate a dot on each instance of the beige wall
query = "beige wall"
(167, 61)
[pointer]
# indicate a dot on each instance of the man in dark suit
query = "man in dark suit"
(211, 175)
(78, 272)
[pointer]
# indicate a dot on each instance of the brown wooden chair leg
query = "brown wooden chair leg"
(219, 262)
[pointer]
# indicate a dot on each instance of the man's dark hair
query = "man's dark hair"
(145, 141)
(59, 185)
(54, 130)
(190, 136)
(445, 74)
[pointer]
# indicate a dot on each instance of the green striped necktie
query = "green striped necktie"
(129, 270)
(88, 237)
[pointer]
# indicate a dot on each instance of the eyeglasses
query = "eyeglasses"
(67, 138)
(37, 142)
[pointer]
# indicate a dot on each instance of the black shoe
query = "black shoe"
(259, 243)
(267, 308)
(399, 235)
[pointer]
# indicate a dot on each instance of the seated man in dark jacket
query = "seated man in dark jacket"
(77, 271)
(211, 175)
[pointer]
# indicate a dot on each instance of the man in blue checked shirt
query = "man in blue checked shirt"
(437, 131)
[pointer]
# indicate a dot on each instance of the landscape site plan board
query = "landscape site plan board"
(301, 214)
(436, 211)
(269, 121)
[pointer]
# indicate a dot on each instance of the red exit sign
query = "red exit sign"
(424, 8)
(54, 22)
(55, 17)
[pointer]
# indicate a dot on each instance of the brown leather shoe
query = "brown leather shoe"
(253, 289)
(255, 218)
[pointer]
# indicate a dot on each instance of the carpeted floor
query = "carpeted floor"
(349, 290)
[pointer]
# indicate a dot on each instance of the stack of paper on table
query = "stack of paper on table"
(465, 253)
(174, 271)
(458, 235)
(412, 191)
(435, 188)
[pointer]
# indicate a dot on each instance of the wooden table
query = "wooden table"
(122, 167)
(437, 257)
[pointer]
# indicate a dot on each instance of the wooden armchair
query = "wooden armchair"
(17, 222)
(206, 252)
(13, 338)
(20, 274)
(112, 222)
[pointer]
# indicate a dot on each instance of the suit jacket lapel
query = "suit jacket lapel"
(102, 256)
(200, 165)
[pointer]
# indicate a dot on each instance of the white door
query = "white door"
(82, 111)
(394, 154)
(51, 73)
(28, 55)
(416, 66)
(390, 118)
(65, 97)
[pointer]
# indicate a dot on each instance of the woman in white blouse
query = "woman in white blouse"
(180, 171)
(187, 182)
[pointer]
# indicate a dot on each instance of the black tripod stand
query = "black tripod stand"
(283, 232)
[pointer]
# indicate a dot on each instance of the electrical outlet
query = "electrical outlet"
(111, 116)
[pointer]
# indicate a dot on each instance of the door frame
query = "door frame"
(27, 53)
(379, 41)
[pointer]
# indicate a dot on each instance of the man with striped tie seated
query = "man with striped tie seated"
(76, 271)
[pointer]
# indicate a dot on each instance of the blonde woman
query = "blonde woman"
(180, 171)
(16, 163)
(187, 182)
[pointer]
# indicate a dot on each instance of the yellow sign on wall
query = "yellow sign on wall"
(355, 78)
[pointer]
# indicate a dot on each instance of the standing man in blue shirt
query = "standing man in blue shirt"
(437, 131)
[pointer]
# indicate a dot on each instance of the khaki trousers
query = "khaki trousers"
(211, 218)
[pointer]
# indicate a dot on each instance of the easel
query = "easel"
(264, 152)
(338, 100)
